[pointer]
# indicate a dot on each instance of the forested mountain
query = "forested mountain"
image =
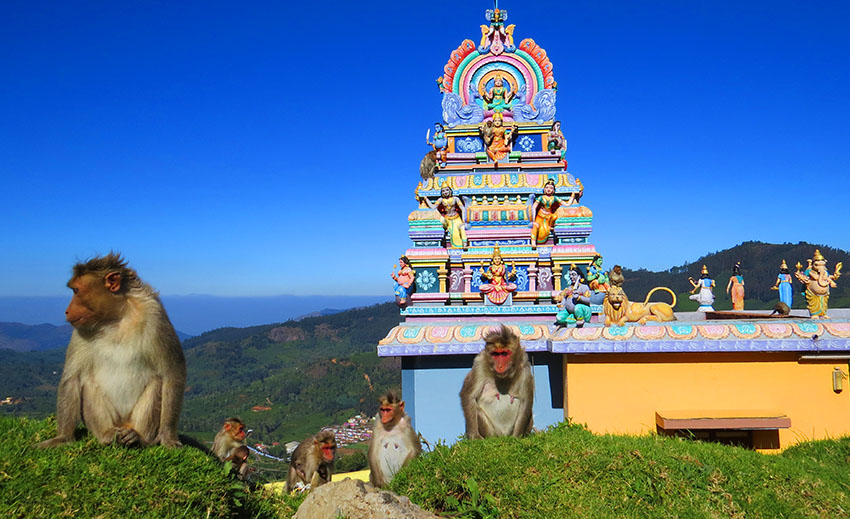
(760, 264)
(288, 380)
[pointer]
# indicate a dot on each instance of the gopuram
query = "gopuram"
(500, 231)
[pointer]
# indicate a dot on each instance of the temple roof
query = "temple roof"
(452, 338)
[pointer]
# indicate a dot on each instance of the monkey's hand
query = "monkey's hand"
(127, 437)
(52, 442)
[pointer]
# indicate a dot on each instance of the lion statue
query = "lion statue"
(618, 310)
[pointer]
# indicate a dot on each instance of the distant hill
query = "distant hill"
(196, 314)
(760, 264)
(24, 337)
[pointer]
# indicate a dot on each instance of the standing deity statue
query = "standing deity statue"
(735, 287)
(497, 138)
(818, 281)
(498, 287)
(543, 213)
(403, 280)
(440, 144)
(705, 286)
(451, 211)
(783, 285)
(575, 301)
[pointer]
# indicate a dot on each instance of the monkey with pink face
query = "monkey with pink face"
(498, 393)
(124, 373)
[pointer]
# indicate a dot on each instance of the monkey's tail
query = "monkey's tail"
(672, 305)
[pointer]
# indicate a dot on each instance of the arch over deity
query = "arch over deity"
(497, 77)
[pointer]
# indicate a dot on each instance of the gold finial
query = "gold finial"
(784, 265)
(818, 256)
(799, 266)
(704, 270)
(445, 183)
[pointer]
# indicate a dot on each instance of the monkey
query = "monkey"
(124, 373)
(781, 309)
(239, 459)
(231, 436)
(394, 442)
(312, 461)
(428, 166)
(498, 392)
(616, 276)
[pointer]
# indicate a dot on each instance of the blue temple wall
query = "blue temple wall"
(431, 389)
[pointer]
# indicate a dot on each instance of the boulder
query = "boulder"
(354, 499)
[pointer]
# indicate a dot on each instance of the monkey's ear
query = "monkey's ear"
(401, 406)
(227, 426)
(113, 281)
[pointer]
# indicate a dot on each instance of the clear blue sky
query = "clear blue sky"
(269, 148)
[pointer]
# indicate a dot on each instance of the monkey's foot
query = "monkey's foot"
(168, 441)
(52, 442)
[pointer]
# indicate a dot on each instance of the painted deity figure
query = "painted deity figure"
(451, 211)
(557, 142)
(498, 99)
(818, 281)
(735, 287)
(575, 302)
(497, 138)
(498, 286)
(703, 291)
(543, 213)
(440, 143)
(597, 278)
(783, 285)
(403, 280)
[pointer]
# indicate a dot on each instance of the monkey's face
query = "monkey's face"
(501, 358)
(328, 450)
(92, 303)
(388, 413)
(237, 429)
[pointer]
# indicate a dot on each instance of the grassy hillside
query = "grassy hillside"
(570, 472)
(85, 479)
(563, 472)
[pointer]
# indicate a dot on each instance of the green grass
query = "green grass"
(570, 472)
(564, 472)
(86, 479)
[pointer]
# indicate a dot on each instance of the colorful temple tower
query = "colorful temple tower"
(484, 197)
(499, 225)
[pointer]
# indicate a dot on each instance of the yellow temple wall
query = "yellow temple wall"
(620, 393)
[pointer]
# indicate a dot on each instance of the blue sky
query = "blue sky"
(273, 148)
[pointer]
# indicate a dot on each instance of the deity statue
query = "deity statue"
(575, 301)
(557, 142)
(498, 287)
(735, 287)
(783, 285)
(440, 144)
(497, 138)
(705, 297)
(403, 281)
(597, 278)
(818, 281)
(543, 213)
(498, 99)
(451, 211)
